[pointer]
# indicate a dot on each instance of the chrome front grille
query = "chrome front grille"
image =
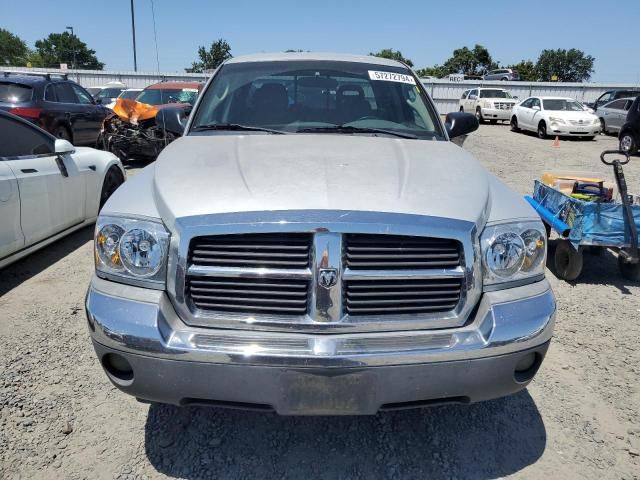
(395, 252)
(262, 250)
(504, 106)
(578, 122)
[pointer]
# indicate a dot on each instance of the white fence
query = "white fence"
(445, 93)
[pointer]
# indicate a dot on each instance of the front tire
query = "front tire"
(112, 180)
(479, 115)
(603, 126)
(514, 124)
(542, 130)
(568, 261)
(628, 144)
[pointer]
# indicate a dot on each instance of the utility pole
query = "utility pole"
(73, 49)
(133, 29)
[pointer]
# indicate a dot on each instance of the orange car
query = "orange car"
(131, 130)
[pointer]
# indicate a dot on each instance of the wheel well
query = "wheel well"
(66, 126)
(542, 122)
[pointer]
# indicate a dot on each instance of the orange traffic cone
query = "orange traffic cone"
(556, 142)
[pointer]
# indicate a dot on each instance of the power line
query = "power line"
(155, 37)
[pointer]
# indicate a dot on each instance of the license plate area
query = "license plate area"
(303, 393)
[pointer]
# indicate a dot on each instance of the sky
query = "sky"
(425, 31)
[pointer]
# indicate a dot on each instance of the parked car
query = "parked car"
(54, 103)
(630, 132)
(491, 104)
(130, 93)
(612, 115)
(502, 74)
(558, 116)
(106, 95)
(314, 244)
(48, 187)
(611, 95)
(133, 131)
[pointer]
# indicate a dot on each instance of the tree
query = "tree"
(13, 50)
(566, 65)
(392, 55)
(469, 62)
(219, 52)
(437, 71)
(63, 47)
(526, 69)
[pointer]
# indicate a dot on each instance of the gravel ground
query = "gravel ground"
(61, 418)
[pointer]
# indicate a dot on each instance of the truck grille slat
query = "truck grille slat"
(392, 253)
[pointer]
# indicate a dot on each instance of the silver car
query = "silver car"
(613, 114)
(315, 244)
(506, 74)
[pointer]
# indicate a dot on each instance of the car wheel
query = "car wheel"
(112, 180)
(62, 132)
(630, 271)
(493, 122)
(542, 130)
(567, 260)
(504, 79)
(603, 128)
(514, 124)
(628, 144)
(479, 115)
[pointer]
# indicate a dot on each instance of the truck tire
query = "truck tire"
(567, 260)
(630, 271)
(479, 115)
(514, 124)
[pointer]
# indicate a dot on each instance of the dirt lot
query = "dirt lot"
(61, 418)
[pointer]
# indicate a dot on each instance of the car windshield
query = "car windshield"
(109, 93)
(564, 105)
(14, 92)
(130, 94)
(494, 94)
(157, 96)
(306, 96)
(93, 90)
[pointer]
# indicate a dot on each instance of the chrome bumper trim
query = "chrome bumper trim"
(144, 322)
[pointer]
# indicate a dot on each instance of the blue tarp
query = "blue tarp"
(592, 223)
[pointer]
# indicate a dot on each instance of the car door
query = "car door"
(470, 103)
(51, 188)
(95, 113)
(11, 238)
(524, 113)
(74, 112)
(612, 114)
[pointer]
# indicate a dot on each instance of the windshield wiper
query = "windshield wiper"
(235, 127)
(350, 129)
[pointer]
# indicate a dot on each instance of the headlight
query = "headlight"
(513, 252)
(556, 120)
(596, 121)
(132, 251)
(487, 104)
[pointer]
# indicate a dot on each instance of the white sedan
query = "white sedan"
(554, 116)
(48, 187)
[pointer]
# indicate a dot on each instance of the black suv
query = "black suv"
(612, 95)
(54, 103)
(630, 132)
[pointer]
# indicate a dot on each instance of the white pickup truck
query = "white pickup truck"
(490, 104)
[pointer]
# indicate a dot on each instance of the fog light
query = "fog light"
(118, 368)
(526, 362)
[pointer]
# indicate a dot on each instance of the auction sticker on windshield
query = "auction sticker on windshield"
(391, 77)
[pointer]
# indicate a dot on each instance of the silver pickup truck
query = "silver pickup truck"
(315, 244)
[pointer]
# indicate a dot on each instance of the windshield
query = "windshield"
(494, 94)
(130, 94)
(14, 92)
(109, 93)
(93, 90)
(564, 105)
(163, 96)
(309, 96)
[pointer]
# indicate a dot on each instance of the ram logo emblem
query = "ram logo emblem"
(327, 277)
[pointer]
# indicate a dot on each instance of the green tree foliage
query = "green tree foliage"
(526, 69)
(218, 52)
(567, 65)
(60, 48)
(392, 55)
(437, 71)
(469, 62)
(13, 50)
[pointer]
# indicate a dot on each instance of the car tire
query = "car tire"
(628, 143)
(603, 127)
(493, 122)
(542, 130)
(514, 124)
(112, 180)
(479, 115)
(568, 261)
(62, 132)
(630, 271)
(504, 79)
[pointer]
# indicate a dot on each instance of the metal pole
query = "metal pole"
(73, 49)
(133, 29)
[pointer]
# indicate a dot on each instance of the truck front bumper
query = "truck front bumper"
(496, 114)
(148, 352)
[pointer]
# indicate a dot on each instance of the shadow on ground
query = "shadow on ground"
(479, 441)
(21, 271)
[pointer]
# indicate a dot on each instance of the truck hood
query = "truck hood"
(200, 175)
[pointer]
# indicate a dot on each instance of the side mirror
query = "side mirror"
(515, 97)
(460, 123)
(63, 146)
(535, 107)
(98, 101)
(173, 119)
